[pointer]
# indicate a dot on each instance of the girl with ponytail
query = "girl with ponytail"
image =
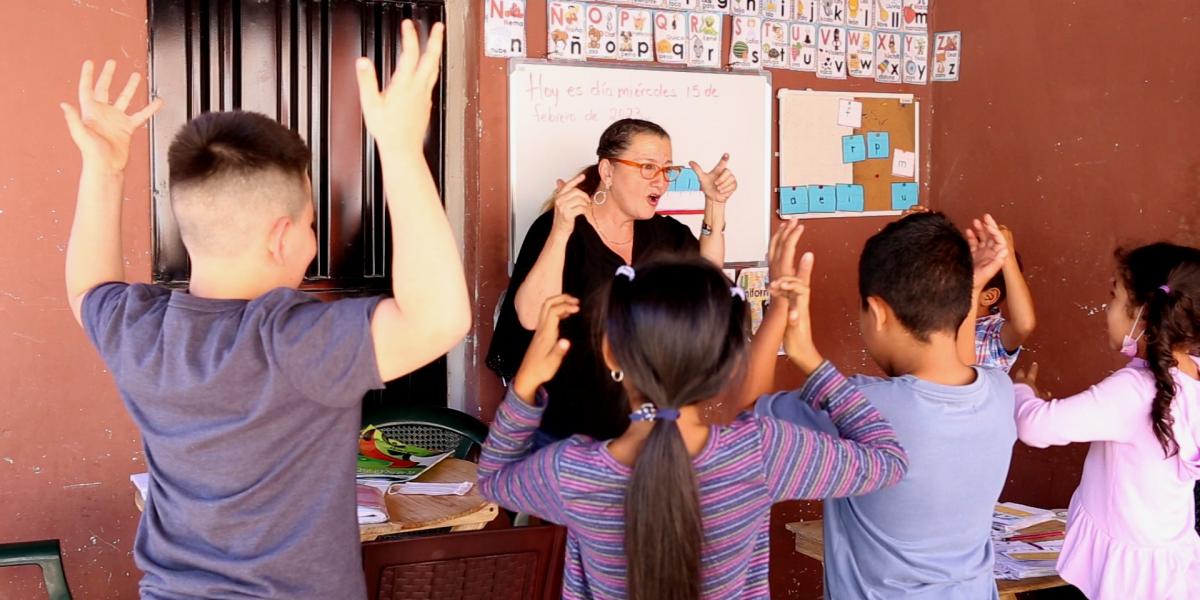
(676, 508)
(1131, 526)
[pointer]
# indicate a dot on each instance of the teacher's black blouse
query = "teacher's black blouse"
(583, 397)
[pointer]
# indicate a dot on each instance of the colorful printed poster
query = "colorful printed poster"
(805, 11)
(565, 29)
(745, 7)
(670, 37)
(916, 58)
(802, 39)
(889, 15)
(714, 6)
(601, 31)
(755, 282)
(831, 52)
(916, 15)
(682, 4)
(774, 44)
(504, 28)
(705, 32)
(860, 13)
(947, 53)
(831, 12)
(635, 27)
(860, 53)
(889, 50)
(777, 9)
(745, 49)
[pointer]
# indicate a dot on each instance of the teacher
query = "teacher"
(597, 221)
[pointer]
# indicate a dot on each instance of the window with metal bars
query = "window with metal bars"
(293, 60)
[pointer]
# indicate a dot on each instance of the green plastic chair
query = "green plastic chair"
(46, 554)
(430, 427)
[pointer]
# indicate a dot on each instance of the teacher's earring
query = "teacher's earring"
(601, 196)
(617, 376)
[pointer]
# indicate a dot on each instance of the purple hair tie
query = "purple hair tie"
(649, 412)
(1165, 288)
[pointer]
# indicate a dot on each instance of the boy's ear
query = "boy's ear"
(989, 296)
(277, 239)
(880, 312)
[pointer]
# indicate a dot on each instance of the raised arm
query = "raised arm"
(1019, 313)
(429, 311)
(718, 185)
(764, 348)
(102, 132)
(545, 277)
(988, 252)
(1106, 412)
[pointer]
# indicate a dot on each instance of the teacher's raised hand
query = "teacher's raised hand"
(569, 203)
(718, 184)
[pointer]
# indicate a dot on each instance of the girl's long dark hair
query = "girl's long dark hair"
(1171, 317)
(679, 335)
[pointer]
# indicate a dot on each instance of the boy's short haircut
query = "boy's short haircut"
(921, 266)
(226, 165)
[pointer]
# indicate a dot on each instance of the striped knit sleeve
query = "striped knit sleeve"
(802, 463)
(512, 477)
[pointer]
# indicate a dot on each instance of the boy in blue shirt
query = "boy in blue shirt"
(247, 392)
(929, 535)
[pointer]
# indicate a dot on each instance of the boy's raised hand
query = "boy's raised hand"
(781, 253)
(102, 130)
(988, 249)
(798, 340)
(398, 116)
(546, 350)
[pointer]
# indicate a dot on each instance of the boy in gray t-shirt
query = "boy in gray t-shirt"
(247, 392)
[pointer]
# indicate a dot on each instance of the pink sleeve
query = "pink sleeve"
(1110, 411)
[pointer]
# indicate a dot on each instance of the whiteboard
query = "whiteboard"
(557, 113)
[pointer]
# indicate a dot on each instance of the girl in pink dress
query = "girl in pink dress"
(1131, 526)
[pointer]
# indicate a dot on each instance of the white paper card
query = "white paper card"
(904, 164)
(850, 113)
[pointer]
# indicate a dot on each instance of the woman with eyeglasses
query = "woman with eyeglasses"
(601, 219)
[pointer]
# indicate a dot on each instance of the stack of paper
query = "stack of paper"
(1021, 560)
(1027, 541)
(1010, 516)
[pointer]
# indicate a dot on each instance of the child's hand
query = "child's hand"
(914, 209)
(1008, 239)
(797, 340)
(102, 130)
(781, 253)
(546, 351)
(988, 249)
(399, 116)
(1029, 378)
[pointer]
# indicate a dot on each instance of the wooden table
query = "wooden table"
(468, 512)
(810, 541)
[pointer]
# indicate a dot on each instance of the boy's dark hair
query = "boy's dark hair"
(997, 281)
(1165, 280)
(921, 266)
(234, 143)
(679, 336)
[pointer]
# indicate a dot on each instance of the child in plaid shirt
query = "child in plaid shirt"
(998, 340)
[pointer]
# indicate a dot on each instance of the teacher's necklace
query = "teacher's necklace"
(599, 230)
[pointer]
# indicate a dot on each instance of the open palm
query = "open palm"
(100, 129)
(398, 115)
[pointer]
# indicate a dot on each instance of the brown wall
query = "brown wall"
(1076, 126)
(67, 447)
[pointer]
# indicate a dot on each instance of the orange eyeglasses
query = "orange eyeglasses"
(651, 170)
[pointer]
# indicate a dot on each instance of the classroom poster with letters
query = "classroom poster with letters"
(916, 58)
(860, 13)
(831, 12)
(802, 39)
(636, 34)
(670, 37)
(889, 52)
(745, 49)
(714, 6)
(705, 32)
(745, 7)
(916, 16)
(889, 15)
(504, 28)
(682, 4)
(947, 49)
(774, 44)
(804, 11)
(860, 53)
(648, 3)
(565, 30)
(831, 52)
(601, 31)
(780, 10)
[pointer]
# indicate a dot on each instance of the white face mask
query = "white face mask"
(1129, 345)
